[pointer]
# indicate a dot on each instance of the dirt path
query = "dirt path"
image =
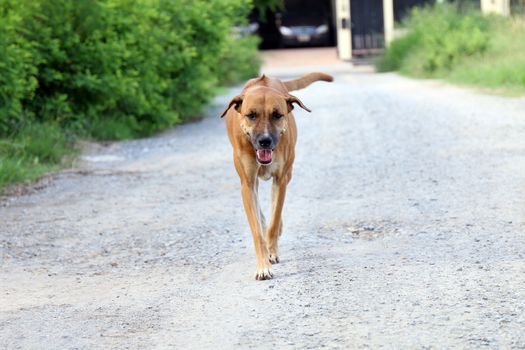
(404, 227)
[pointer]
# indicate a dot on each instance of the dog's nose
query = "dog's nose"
(265, 142)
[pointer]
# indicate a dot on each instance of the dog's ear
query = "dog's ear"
(290, 100)
(237, 102)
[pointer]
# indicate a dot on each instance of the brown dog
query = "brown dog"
(262, 131)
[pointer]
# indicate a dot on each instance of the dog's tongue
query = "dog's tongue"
(264, 155)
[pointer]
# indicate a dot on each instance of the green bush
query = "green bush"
(109, 69)
(239, 61)
(459, 44)
(502, 66)
(438, 38)
(397, 52)
(446, 36)
(146, 64)
(17, 68)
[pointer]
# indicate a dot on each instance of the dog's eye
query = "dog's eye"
(251, 116)
(277, 115)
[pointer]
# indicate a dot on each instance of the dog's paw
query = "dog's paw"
(273, 258)
(263, 274)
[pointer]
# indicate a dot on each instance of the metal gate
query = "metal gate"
(367, 26)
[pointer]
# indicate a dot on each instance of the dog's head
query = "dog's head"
(263, 116)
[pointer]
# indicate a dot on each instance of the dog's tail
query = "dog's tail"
(305, 80)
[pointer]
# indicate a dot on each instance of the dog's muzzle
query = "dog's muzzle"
(264, 147)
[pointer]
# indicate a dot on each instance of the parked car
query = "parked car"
(305, 35)
(305, 23)
(299, 23)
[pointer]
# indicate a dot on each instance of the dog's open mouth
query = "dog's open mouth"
(264, 156)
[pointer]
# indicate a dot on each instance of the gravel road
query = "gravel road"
(404, 228)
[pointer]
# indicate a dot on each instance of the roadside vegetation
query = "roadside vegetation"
(462, 46)
(109, 70)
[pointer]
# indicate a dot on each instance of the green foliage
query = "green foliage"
(502, 67)
(397, 52)
(445, 37)
(264, 6)
(461, 45)
(147, 64)
(438, 37)
(17, 70)
(240, 61)
(110, 69)
(113, 129)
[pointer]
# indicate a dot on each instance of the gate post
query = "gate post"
(344, 31)
(501, 7)
(388, 20)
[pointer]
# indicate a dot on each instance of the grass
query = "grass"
(35, 150)
(461, 47)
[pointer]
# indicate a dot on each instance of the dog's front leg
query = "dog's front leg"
(251, 206)
(275, 227)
